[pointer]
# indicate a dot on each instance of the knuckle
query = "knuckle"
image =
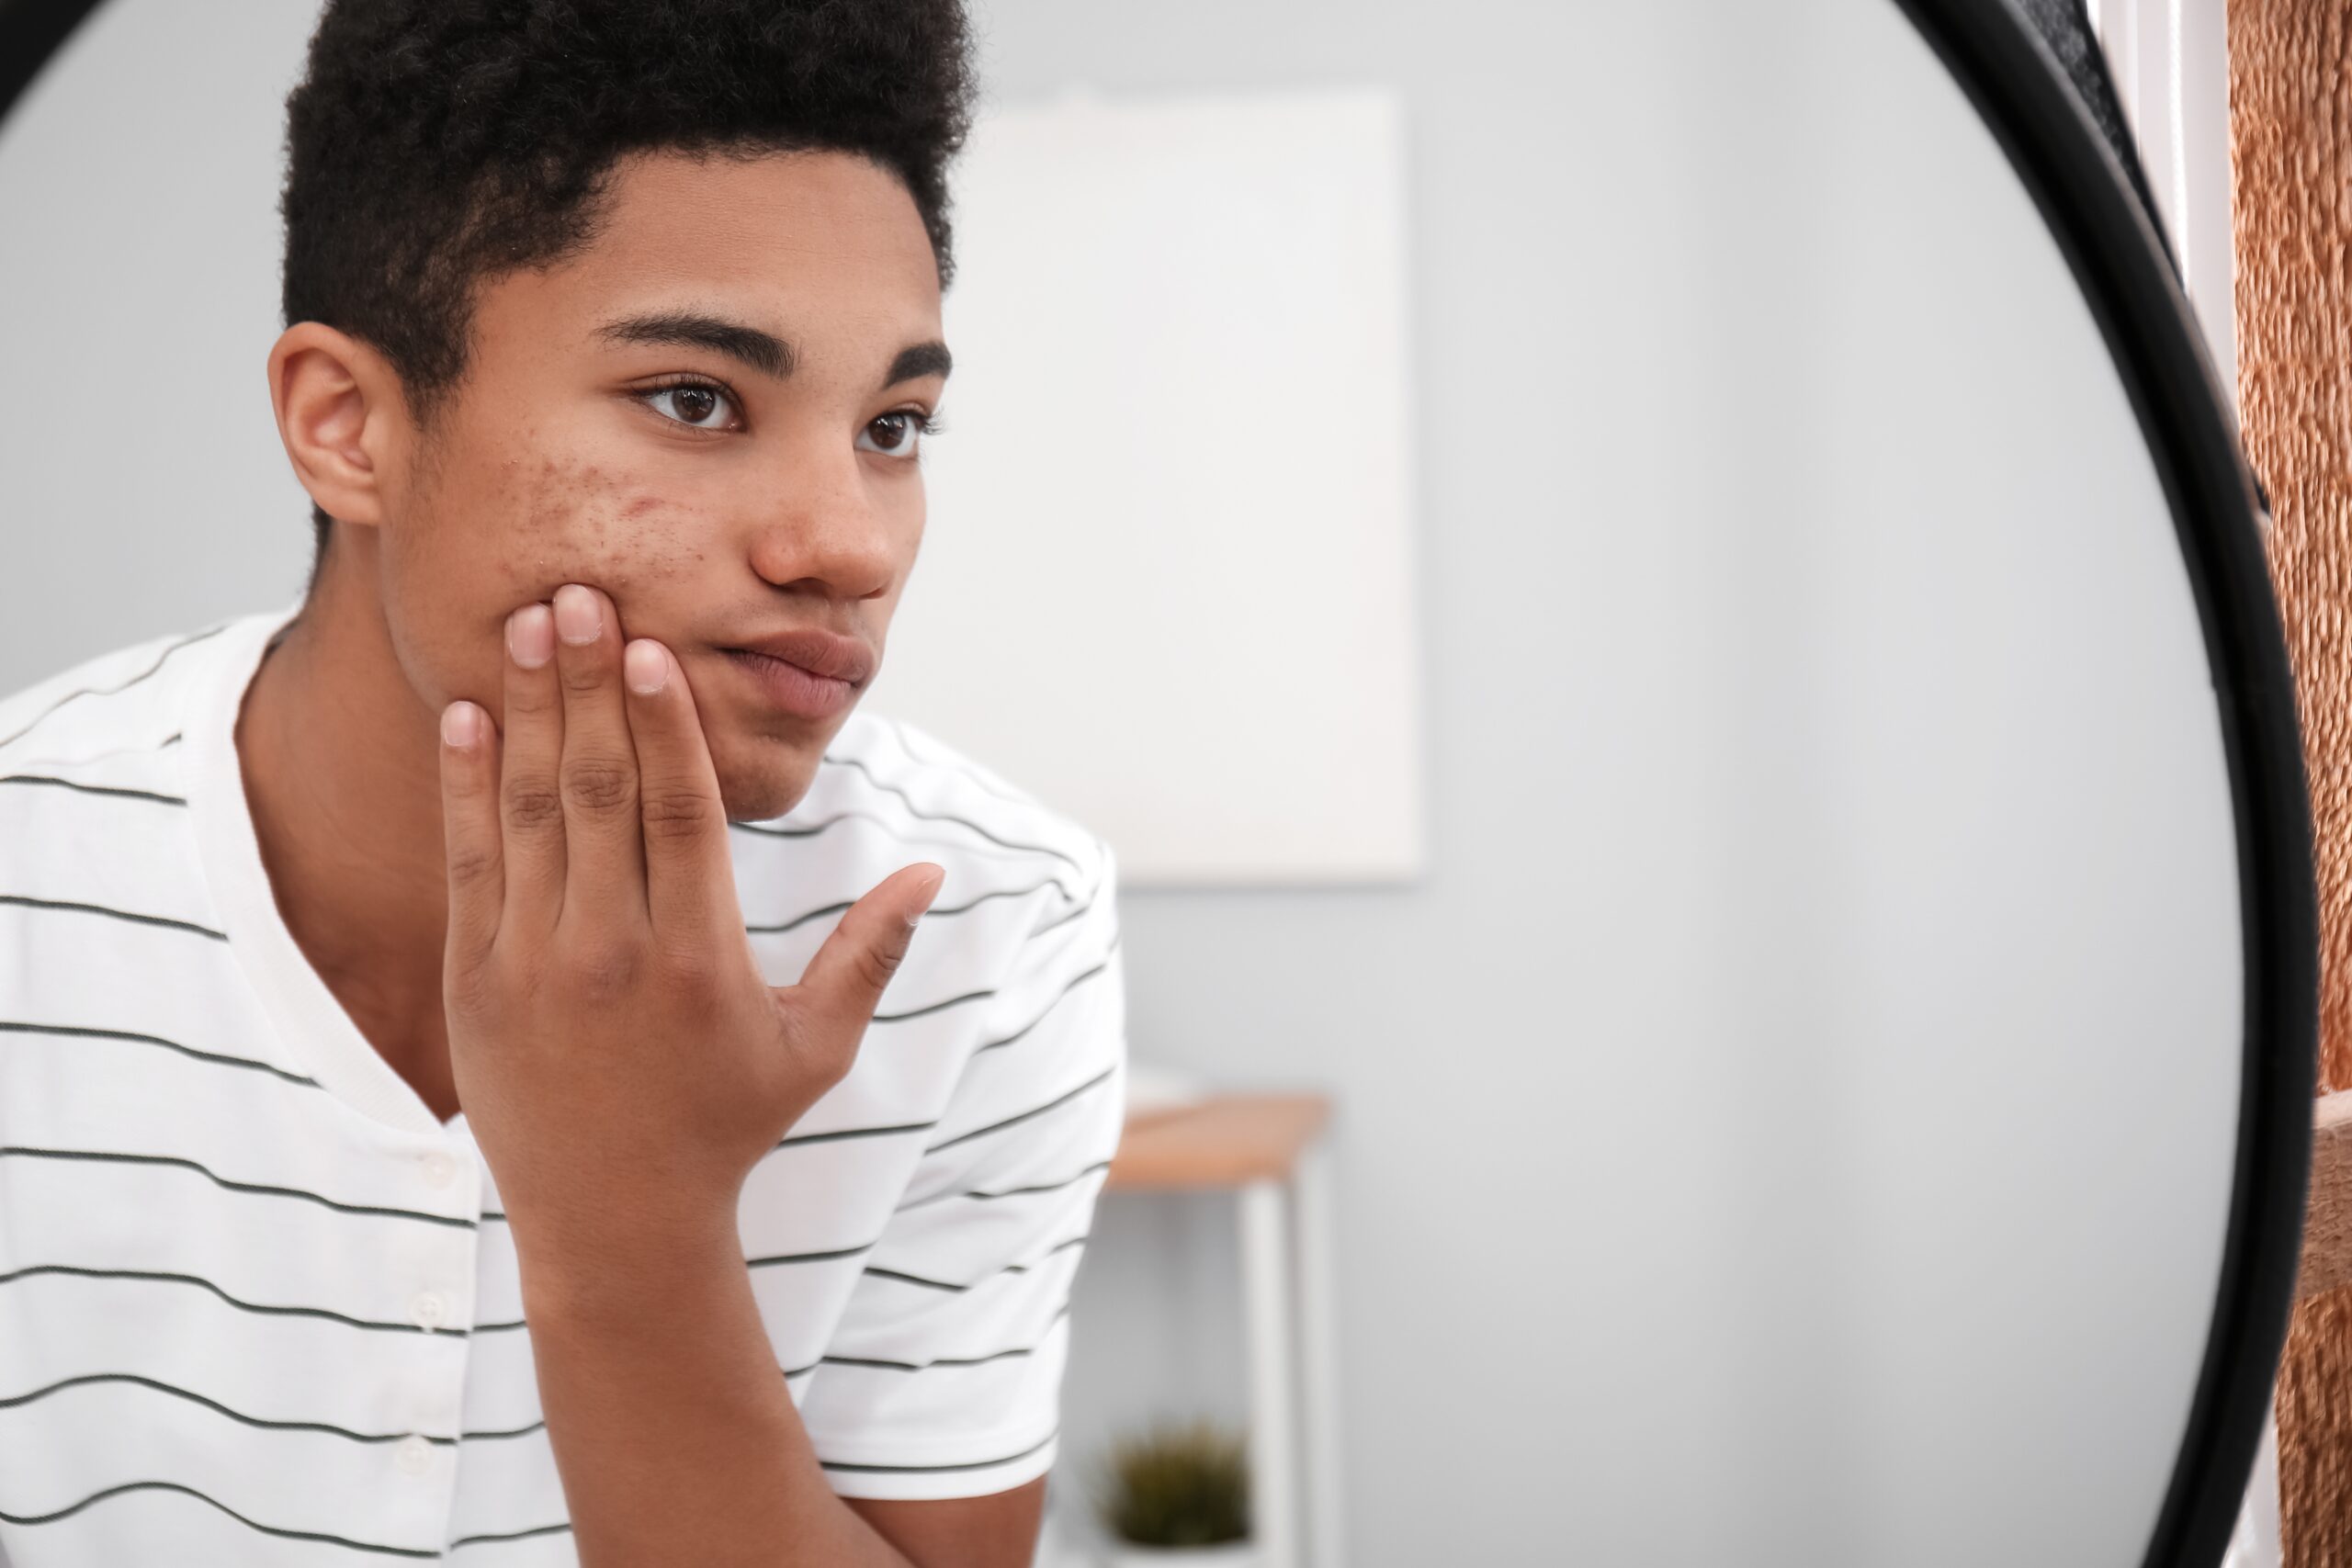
(599, 785)
(472, 992)
(471, 865)
(532, 803)
(530, 698)
(580, 675)
(463, 783)
(678, 812)
(688, 966)
(878, 965)
(606, 970)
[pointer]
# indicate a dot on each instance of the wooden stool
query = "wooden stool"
(1262, 1149)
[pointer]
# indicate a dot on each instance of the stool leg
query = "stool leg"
(1267, 1320)
(1319, 1336)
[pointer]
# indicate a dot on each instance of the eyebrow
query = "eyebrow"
(763, 351)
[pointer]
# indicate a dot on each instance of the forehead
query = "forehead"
(819, 243)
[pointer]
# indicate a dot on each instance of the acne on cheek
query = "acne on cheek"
(580, 518)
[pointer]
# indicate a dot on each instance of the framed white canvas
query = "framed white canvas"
(1167, 578)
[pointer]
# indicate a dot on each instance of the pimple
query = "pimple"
(610, 528)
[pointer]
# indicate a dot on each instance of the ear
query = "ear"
(342, 416)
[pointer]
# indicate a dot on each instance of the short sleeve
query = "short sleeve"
(943, 1378)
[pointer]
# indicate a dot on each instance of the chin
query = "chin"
(765, 787)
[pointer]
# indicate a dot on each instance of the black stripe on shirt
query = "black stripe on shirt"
(511, 1535)
(188, 641)
(914, 811)
(958, 765)
(968, 996)
(178, 1392)
(896, 831)
(32, 903)
(262, 1421)
(834, 1137)
(71, 1509)
(974, 1464)
(987, 1045)
(83, 1031)
(77, 1271)
(952, 1285)
(141, 1380)
(91, 788)
(146, 749)
(1103, 1164)
(930, 1007)
(934, 1006)
(7, 1151)
(835, 909)
(1043, 1186)
(1059, 1312)
(1065, 990)
(1067, 916)
(811, 1257)
(1063, 1099)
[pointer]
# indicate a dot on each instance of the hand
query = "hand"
(620, 1057)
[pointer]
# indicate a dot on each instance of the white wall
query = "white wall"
(139, 263)
(1708, 1194)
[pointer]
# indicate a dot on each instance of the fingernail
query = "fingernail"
(930, 891)
(530, 636)
(460, 723)
(577, 619)
(645, 667)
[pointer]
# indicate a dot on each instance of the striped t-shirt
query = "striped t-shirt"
(258, 1305)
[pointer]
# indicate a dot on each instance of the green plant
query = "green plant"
(1179, 1484)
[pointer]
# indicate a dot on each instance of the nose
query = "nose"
(830, 528)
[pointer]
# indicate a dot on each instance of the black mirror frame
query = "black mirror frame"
(2123, 267)
(2087, 198)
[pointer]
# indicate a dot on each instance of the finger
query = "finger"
(531, 809)
(844, 983)
(469, 831)
(689, 875)
(604, 846)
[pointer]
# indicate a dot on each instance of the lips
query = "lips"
(819, 653)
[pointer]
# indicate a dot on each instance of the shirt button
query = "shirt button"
(413, 1455)
(429, 1308)
(440, 1169)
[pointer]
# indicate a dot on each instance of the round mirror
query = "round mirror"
(1628, 870)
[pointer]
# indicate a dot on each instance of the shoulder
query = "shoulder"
(95, 790)
(115, 712)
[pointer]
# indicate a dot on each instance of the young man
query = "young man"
(444, 1106)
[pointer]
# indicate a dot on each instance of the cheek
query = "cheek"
(514, 532)
(580, 521)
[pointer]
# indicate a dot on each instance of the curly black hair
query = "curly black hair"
(433, 144)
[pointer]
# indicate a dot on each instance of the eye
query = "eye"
(900, 433)
(692, 401)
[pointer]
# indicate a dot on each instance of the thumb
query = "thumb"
(844, 981)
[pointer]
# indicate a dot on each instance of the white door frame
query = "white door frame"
(2170, 63)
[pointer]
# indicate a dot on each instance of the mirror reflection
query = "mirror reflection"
(1571, 751)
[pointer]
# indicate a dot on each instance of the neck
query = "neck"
(342, 777)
